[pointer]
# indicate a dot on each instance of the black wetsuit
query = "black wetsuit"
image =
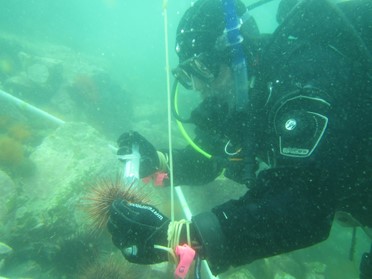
(306, 75)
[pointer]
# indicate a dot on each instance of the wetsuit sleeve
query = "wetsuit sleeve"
(269, 219)
(192, 168)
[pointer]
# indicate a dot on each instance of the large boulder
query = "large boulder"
(73, 153)
(47, 226)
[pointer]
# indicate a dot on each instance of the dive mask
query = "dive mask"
(199, 66)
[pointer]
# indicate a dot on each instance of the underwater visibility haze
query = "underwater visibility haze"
(99, 67)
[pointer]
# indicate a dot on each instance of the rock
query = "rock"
(37, 79)
(18, 85)
(239, 273)
(27, 270)
(5, 249)
(73, 152)
(49, 216)
(66, 83)
(8, 193)
(285, 266)
(316, 270)
(94, 97)
(38, 73)
(283, 275)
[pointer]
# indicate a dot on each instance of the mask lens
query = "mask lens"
(201, 70)
(183, 77)
(195, 66)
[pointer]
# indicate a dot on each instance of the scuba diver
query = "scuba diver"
(301, 106)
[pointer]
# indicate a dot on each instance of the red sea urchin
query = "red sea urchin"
(100, 197)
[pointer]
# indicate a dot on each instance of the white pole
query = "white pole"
(178, 190)
(186, 210)
(183, 203)
(26, 106)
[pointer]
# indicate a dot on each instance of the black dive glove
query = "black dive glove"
(149, 162)
(135, 228)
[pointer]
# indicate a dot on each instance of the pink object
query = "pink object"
(158, 178)
(186, 255)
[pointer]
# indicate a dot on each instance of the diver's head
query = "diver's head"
(203, 51)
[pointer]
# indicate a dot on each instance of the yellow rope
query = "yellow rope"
(163, 161)
(174, 234)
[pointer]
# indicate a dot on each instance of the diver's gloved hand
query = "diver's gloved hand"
(135, 228)
(149, 162)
